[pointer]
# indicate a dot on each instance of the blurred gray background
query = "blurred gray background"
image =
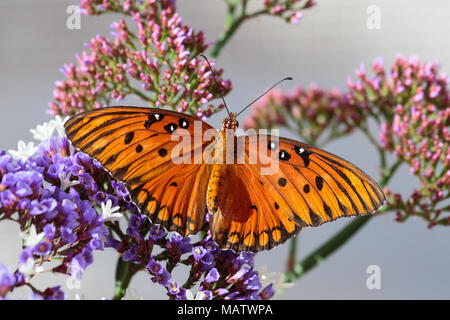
(327, 46)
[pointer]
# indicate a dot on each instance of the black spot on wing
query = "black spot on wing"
(319, 183)
(183, 123)
(162, 152)
(272, 145)
(306, 188)
(152, 118)
(129, 137)
(282, 182)
(284, 155)
(304, 154)
(171, 127)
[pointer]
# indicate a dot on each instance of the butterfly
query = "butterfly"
(248, 210)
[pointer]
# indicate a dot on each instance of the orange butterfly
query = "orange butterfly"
(249, 211)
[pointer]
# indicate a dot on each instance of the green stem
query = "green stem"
(292, 254)
(124, 273)
(230, 29)
(232, 23)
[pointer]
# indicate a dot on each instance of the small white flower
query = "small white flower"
(31, 238)
(43, 131)
(276, 278)
(58, 124)
(132, 294)
(65, 180)
(198, 296)
(24, 151)
(108, 213)
(29, 268)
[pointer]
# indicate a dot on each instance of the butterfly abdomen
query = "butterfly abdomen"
(218, 173)
(215, 183)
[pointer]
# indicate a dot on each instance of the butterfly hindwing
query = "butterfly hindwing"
(250, 217)
(135, 145)
(309, 187)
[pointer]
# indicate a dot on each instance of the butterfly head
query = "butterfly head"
(230, 123)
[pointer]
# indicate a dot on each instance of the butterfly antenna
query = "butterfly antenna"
(287, 78)
(214, 77)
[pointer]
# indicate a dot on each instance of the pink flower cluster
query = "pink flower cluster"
(311, 111)
(162, 59)
(289, 10)
(417, 133)
(410, 102)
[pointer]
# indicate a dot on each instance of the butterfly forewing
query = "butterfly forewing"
(135, 145)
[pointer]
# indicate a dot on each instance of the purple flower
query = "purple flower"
(8, 199)
(50, 231)
(267, 292)
(54, 293)
(175, 291)
(178, 245)
(77, 265)
(67, 235)
(110, 242)
(212, 276)
(135, 223)
(251, 281)
(131, 254)
(7, 280)
(161, 275)
(89, 214)
(96, 244)
(121, 190)
(23, 189)
(156, 233)
(198, 253)
(42, 248)
(153, 266)
(46, 205)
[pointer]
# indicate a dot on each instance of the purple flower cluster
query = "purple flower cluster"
(162, 57)
(52, 197)
(222, 274)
